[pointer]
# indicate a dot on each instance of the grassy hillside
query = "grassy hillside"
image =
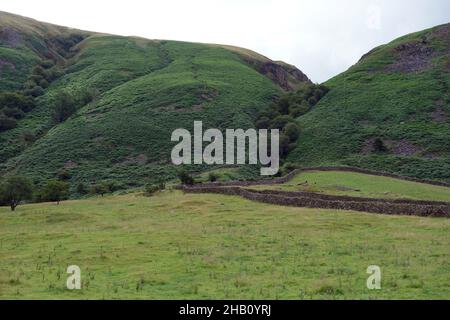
(144, 90)
(389, 112)
(175, 246)
(362, 185)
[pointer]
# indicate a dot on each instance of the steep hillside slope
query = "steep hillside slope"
(389, 112)
(143, 90)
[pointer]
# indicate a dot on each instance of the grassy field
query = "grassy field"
(175, 246)
(361, 185)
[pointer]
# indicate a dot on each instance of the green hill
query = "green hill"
(389, 112)
(138, 91)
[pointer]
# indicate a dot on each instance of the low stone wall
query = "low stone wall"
(292, 174)
(309, 200)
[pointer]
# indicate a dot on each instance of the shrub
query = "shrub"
(55, 190)
(14, 190)
(28, 137)
(213, 177)
(7, 123)
(81, 188)
(281, 121)
(64, 106)
(64, 175)
(378, 146)
(151, 189)
(263, 123)
(100, 189)
(292, 131)
(185, 178)
(16, 100)
(35, 91)
(13, 113)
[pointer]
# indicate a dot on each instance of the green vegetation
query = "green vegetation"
(144, 90)
(54, 190)
(280, 114)
(362, 185)
(185, 178)
(175, 246)
(14, 190)
(389, 112)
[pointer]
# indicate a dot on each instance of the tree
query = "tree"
(55, 190)
(185, 178)
(281, 121)
(100, 189)
(81, 188)
(64, 106)
(14, 190)
(16, 100)
(292, 131)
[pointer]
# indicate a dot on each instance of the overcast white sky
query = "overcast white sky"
(320, 37)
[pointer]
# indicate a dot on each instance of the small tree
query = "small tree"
(292, 131)
(100, 189)
(55, 190)
(81, 188)
(185, 178)
(378, 146)
(64, 107)
(14, 190)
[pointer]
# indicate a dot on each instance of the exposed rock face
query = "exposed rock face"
(413, 56)
(284, 76)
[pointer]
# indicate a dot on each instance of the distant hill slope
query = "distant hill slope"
(389, 112)
(144, 90)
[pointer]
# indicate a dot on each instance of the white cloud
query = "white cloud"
(321, 37)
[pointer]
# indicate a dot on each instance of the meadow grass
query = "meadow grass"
(361, 185)
(177, 246)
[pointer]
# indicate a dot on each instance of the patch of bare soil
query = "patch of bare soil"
(439, 115)
(396, 147)
(70, 164)
(140, 159)
(403, 147)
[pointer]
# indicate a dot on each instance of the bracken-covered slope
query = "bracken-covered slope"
(389, 112)
(144, 90)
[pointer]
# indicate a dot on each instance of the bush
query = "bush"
(27, 137)
(213, 177)
(64, 106)
(14, 190)
(16, 100)
(292, 131)
(35, 91)
(378, 146)
(281, 121)
(64, 175)
(13, 113)
(54, 190)
(186, 178)
(81, 188)
(263, 123)
(7, 123)
(100, 189)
